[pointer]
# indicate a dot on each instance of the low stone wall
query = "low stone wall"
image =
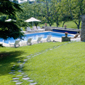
(48, 28)
(61, 29)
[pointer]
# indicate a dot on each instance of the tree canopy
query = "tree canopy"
(53, 11)
(9, 29)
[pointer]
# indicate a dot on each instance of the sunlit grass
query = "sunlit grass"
(69, 24)
(62, 66)
(10, 56)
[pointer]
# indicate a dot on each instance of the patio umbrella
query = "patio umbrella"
(9, 20)
(32, 19)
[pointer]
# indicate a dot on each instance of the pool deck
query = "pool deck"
(23, 43)
(53, 39)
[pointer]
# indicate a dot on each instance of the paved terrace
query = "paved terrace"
(23, 43)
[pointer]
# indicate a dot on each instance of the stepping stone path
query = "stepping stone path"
(18, 83)
(20, 68)
(26, 78)
(33, 83)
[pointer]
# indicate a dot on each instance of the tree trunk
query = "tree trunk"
(78, 26)
(57, 22)
(63, 23)
(50, 24)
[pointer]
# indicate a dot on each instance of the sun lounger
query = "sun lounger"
(39, 40)
(77, 36)
(35, 29)
(29, 30)
(48, 39)
(16, 44)
(38, 27)
(29, 41)
(76, 39)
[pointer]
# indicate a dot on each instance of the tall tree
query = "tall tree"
(56, 7)
(49, 13)
(76, 9)
(9, 29)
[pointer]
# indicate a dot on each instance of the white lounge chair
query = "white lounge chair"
(48, 39)
(76, 39)
(39, 40)
(16, 44)
(35, 29)
(29, 41)
(38, 27)
(29, 29)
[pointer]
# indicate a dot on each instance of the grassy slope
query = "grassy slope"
(69, 24)
(12, 55)
(62, 66)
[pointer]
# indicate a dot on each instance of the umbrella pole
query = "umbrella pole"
(32, 24)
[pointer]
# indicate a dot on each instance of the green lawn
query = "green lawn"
(10, 56)
(58, 64)
(69, 24)
(61, 66)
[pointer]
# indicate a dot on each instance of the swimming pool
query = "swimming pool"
(35, 36)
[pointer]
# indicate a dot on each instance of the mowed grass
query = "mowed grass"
(64, 65)
(10, 56)
(69, 24)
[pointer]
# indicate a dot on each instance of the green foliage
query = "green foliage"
(8, 8)
(29, 10)
(69, 24)
(9, 29)
(53, 11)
(75, 9)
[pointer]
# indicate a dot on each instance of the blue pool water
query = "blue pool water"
(35, 36)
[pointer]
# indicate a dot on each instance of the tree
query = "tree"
(56, 7)
(48, 14)
(76, 9)
(29, 10)
(9, 29)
